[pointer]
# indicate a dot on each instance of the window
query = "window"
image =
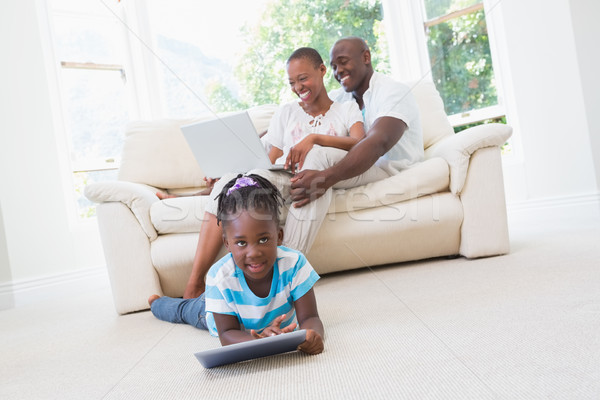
(461, 61)
(117, 61)
(206, 66)
(90, 58)
(196, 53)
(458, 44)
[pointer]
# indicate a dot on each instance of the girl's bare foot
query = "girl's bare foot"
(152, 298)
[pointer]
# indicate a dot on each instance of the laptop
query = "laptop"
(228, 144)
(251, 349)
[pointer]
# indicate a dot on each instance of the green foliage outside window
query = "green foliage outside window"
(285, 26)
(459, 51)
(499, 120)
(461, 63)
(437, 8)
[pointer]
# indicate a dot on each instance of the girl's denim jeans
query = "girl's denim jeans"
(181, 311)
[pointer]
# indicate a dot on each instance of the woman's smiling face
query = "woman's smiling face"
(252, 238)
(306, 80)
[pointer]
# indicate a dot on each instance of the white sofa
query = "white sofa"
(451, 204)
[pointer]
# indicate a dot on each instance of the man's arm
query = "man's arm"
(309, 185)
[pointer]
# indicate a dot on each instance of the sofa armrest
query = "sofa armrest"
(132, 275)
(137, 197)
(457, 149)
(484, 231)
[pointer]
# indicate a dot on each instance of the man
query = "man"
(393, 142)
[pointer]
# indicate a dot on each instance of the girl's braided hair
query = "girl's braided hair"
(249, 193)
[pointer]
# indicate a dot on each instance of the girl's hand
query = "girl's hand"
(313, 343)
(298, 153)
(274, 329)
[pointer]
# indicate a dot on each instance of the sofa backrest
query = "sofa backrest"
(434, 121)
(155, 153)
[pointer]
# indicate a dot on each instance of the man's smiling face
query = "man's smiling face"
(350, 63)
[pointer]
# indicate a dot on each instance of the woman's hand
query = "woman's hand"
(274, 329)
(298, 153)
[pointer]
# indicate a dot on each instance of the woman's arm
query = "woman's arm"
(298, 153)
(308, 318)
(274, 154)
(355, 134)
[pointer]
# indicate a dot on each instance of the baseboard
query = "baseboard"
(584, 206)
(29, 291)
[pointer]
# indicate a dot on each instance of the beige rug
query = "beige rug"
(521, 326)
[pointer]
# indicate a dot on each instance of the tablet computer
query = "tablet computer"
(251, 349)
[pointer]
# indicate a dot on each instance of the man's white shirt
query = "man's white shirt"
(386, 97)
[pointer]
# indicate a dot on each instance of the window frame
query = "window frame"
(54, 66)
(473, 115)
(409, 59)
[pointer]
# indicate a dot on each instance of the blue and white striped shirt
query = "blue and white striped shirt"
(228, 293)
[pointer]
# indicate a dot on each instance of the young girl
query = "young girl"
(260, 288)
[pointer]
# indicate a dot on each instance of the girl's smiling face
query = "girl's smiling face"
(252, 238)
(306, 80)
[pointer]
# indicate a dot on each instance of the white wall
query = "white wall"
(6, 298)
(552, 120)
(41, 238)
(5, 272)
(584, 16)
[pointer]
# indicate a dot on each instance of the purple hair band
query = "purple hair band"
(242, 181)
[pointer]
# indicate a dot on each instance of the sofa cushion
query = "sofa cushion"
(179, 214)
(434, 121)
(155, 153)
(185, 214)
(430, 176)
(457, 149)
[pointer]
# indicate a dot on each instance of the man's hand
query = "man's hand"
(307, 186)
(313, 343)
(274, 329)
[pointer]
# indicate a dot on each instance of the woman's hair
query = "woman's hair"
(307, 53)
(251, 193)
